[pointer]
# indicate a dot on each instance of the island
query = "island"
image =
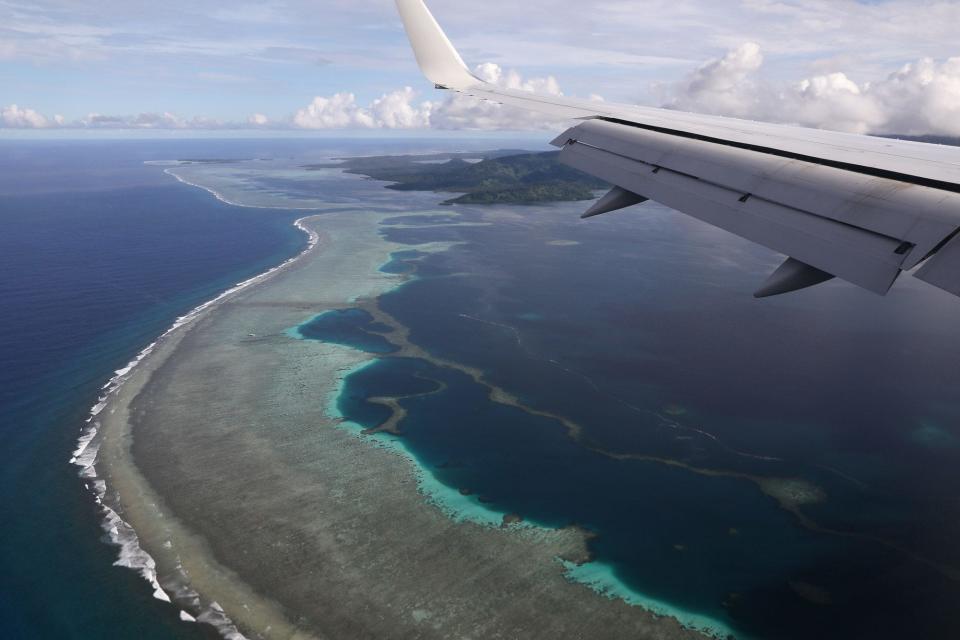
(498, 177)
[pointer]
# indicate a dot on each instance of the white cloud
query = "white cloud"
(463, 112)
(339, 111)
(396, 110)
(723, 86)
(831, 101)
(15, 117)
(258, 120)
(920, 98)
(400, 109)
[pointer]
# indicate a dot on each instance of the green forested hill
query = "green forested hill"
(498, 177)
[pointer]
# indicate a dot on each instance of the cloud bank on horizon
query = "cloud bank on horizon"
(867, 66)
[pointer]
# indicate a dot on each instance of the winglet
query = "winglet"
(437, 57)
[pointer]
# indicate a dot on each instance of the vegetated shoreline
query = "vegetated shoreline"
(493, 177)
(86, 454)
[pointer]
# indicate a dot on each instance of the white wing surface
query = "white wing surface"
(859, 208)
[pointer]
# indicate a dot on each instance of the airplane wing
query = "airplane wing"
(859, 208)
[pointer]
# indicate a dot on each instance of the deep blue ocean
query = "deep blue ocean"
(98, 255)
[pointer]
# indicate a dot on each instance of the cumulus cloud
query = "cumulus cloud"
(397, 110)
(920, 98)
(339, 111)
(463, 112)
(258, 120)
(723, 86)
(832, 101)
(394, 110)
(401, 109)
(15, 117)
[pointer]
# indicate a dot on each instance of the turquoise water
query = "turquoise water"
(401, 262)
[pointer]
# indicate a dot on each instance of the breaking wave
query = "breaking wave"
(119, 533)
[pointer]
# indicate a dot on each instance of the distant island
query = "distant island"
(498, 177)
(211, 160)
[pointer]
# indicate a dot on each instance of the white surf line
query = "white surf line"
(219, 196)
(120, 533)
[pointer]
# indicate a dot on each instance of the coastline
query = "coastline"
(222, 198)
(120, 533)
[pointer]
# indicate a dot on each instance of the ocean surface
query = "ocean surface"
(787, 468)
(99, 254)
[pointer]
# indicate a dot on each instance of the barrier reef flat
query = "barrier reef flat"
(493, 421)
(234, 422)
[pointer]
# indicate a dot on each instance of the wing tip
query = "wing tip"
(437, 57)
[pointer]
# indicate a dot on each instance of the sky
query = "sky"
(877, 66)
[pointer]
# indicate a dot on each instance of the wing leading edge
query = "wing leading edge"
(858, 208)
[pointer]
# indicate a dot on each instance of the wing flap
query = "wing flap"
(943, 269)
(862, 257)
